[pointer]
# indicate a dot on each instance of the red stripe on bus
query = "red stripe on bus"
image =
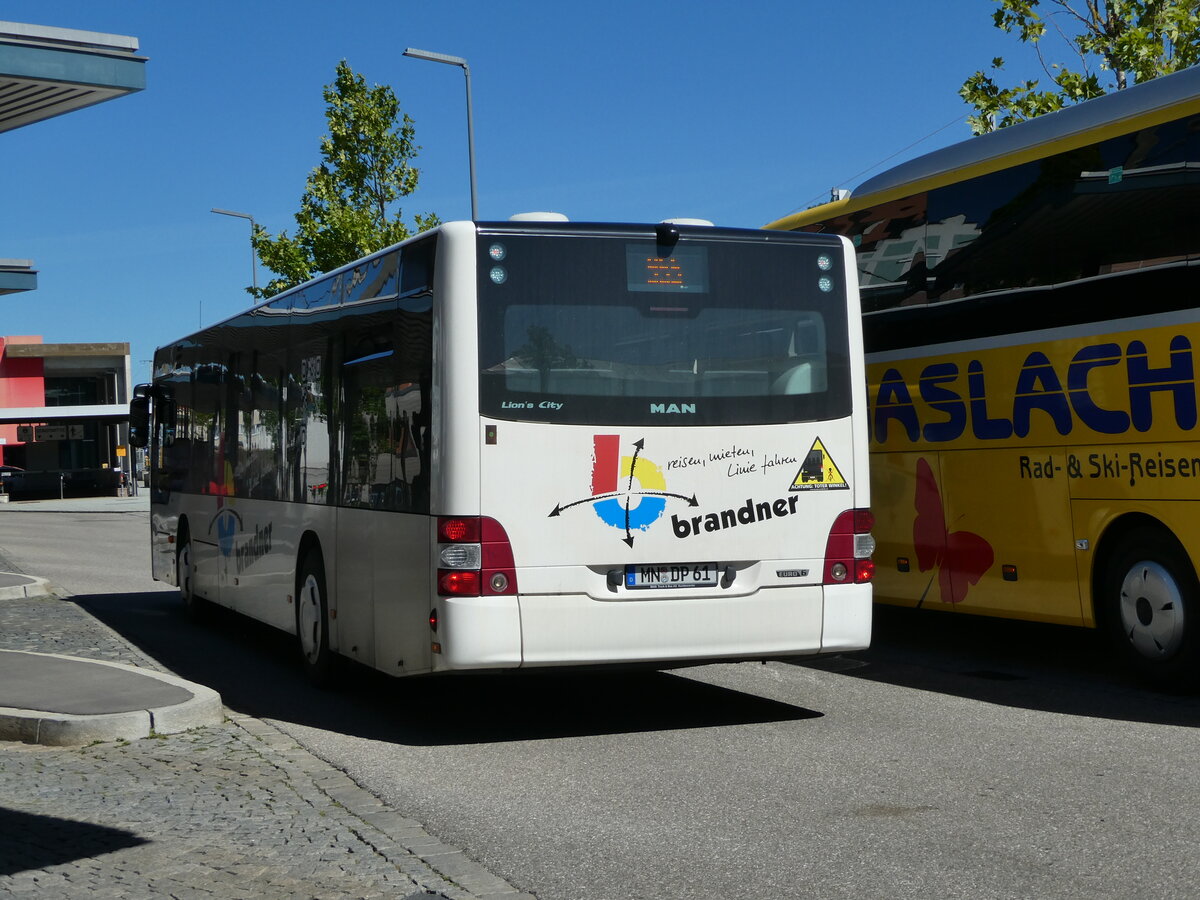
(605, 451)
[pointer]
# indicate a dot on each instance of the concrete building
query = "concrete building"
(63, 415)
(64, 408)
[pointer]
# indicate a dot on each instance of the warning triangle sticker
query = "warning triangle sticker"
(819, 472)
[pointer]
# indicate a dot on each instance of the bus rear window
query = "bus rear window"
(605, 330)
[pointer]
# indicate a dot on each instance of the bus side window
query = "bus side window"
(385, 379)
(416, 268)
(308, 417)
(256, 473)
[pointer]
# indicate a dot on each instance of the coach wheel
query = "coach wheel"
(312, 620)
(1150, 605)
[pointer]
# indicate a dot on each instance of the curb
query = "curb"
(67, 729)
(24, 586)
(441, 871)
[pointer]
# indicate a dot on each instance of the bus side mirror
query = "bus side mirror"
(139, 420)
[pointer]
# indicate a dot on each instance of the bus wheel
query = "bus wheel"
(1150, 606)
(312, 620)
(185, 577)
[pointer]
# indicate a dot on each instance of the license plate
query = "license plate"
(671, 575)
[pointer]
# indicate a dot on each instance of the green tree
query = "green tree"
(349, 205)
(1131, 40)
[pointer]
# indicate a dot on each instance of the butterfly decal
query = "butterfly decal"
(960, 557)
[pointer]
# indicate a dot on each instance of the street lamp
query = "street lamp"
(457, 61)
(253, 255)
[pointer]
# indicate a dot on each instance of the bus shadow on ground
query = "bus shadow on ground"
(32, 841)
(256, 670)
(1028, 665)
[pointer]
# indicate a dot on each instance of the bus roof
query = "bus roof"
(1147, 103)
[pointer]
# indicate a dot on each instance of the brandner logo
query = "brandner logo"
(628, 492)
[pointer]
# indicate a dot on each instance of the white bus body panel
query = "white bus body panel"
(456, 443)
(567, 614)
(479, 633)
(247, 552)
(566, 628)
(383, 600)
(736, 498)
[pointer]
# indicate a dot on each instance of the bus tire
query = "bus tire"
(185, 577)
(312, 620)
(1149, 603)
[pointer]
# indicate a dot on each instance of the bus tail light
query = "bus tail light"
(849, 548)
(475, 558)
(452, 583)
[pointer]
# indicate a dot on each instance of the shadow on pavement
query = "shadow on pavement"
(256, 671)
(1029, 665)
(32, 842)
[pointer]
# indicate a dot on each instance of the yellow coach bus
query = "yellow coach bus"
(1030, 302)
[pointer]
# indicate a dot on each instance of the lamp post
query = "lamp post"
(457, 61)
(253, 255)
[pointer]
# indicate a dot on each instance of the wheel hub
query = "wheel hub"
(1145, 612)
(1151, 607)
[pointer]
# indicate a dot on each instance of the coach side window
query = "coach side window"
(385, 412)
(890, 244)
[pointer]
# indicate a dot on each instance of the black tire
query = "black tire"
(312, 621)
(185, 577)
(1149, 603)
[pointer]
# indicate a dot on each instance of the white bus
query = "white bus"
(531, 443)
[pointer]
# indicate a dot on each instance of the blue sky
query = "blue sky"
(617, 111)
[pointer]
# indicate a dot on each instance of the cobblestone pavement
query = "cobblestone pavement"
(238, 810)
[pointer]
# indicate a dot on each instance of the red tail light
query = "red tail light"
(452, 530)
(453, 583)
(849, 548)
(475, 558)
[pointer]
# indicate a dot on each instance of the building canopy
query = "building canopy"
(45, 72)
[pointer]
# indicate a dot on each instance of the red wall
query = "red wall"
(21, 383)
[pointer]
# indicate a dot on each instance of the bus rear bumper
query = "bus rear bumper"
(575, 629)
(477, 633)
(847, 618)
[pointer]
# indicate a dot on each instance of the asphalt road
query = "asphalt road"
(957, 758)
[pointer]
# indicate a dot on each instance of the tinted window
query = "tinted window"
(613, 330)
(309, 414)
(320, 396)
(890, 246)
(387, 373)
(1124, 204)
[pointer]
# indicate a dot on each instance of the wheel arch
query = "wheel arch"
(1115, 533)
(309, 543)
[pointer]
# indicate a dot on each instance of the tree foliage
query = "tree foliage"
(349, 205)
(1129, 40)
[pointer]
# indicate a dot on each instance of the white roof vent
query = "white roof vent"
(538, 217)
(687, 222)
